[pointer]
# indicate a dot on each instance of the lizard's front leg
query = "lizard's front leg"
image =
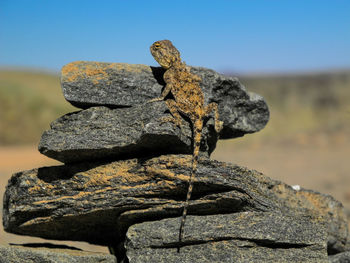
(165, 92)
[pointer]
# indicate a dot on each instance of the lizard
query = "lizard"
(188, 100)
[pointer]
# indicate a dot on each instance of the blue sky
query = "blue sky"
(243, 36)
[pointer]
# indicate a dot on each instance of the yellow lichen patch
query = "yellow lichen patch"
(118, 170)
(316, 201)
(166, 173)
(139, 186)
(132, 178)
(97, 71)
(35, 221)
(185, 161)
(172, 160)
(312, 201)
(126, 176)
(137, 68)
(150, 187)
(159, 208)
(40, 186)
(166, 183)
(34, 189)
(280, 189)
(71, 71)
(93, 71)
(98, 180)
(75, 197)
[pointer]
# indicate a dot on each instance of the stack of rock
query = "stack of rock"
(125, 174)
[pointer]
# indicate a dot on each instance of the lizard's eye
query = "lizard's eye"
(157, 45)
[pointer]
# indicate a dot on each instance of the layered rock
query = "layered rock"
(100, 201)
(87, 84)
(125, 125)
(101, 132)
(240, 237)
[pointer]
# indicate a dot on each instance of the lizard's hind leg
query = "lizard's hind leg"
(176, 118)
(214, 107)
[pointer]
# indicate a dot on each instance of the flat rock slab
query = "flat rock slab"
(100, 133)
(97, 202)
(87, 84)
(17, 254)
(240, 237)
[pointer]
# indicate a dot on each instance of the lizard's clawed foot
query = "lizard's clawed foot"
(219, 125)
(155, 99)
(170, 119)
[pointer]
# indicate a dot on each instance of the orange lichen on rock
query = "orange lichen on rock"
(281, 190)
(96, 71)
(92, 71)
(34, 189)
(166, 173)
(79, 195)
(98, 176)
(40, 187)
(307, 199)
(315, 201)
(185, 161)
(137, 68)
(123, 172)
(97, 180)
(71, 71)
(127, 175)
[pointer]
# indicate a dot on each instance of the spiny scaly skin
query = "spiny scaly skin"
(188, 100)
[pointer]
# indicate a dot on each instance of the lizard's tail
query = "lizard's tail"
(197, 128)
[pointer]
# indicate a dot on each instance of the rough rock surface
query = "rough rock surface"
(325, 205)
(100, 132)
(340, 258)
(239, 237)
(97, 202)
(17, 254)
(87, 84)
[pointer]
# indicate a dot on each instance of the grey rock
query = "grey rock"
(17, 254)
(326, 205)
(239, 237)
(343, 257)
(87, 84)
(347, 245)
(97, 202)
(100, 133)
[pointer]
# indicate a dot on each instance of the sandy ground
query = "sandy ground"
(324, 167)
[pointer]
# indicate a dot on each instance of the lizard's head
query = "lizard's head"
(165, 53)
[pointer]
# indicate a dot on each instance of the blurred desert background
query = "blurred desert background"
(306, 141)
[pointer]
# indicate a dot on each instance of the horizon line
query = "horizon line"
(227, 72)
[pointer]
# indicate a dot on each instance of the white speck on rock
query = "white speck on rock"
(296, 187)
